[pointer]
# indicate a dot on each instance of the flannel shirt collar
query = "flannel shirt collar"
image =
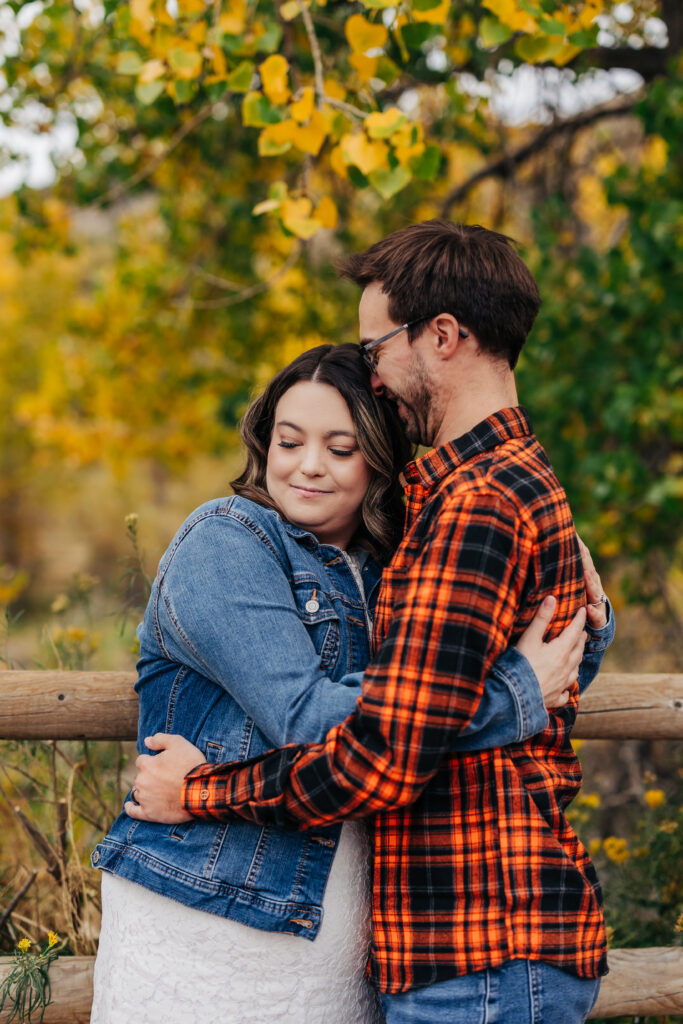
(431, 468)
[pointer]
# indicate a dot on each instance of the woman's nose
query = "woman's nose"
(311, 461)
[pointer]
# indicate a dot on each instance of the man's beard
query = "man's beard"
(415, 406)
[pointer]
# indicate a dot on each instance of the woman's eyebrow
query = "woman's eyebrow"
(330, 433)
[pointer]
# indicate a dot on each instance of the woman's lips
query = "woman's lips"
(308, 492)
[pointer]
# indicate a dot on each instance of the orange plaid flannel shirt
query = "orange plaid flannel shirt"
(474, 861)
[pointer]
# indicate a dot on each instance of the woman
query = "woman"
(256, 634)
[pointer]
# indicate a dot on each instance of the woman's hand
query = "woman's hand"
(156, 790)
(595, 595)
(556, 664)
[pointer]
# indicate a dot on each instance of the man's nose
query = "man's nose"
(376, 383)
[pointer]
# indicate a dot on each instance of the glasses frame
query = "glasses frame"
(367, 346)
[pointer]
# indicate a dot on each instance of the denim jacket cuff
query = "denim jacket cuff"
(522, 683)
(600, 639)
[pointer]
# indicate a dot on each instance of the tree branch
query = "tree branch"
(117, 191)
(316, 53)
(506, 166)
(246, 293)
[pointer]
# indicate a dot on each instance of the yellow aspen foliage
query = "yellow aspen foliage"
(302, 108)
(337, 163)
(232, 20)
(310, 137)
(362, 35)
(381, 125)
(433, 15)
(512, 14)
(334, 89)
(367, 156)
(366, 67)
(274, 71)
(326, 213)
(296, 217)
(152, 70)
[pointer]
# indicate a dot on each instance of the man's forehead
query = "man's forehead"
(373, 310)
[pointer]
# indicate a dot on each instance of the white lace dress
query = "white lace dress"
(160, 962)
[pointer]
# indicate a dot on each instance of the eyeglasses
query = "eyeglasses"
(366, 349)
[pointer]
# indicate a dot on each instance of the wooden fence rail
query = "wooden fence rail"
(103, 705)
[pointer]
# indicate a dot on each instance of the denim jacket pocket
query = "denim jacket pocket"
(213, 752)
(319, 616)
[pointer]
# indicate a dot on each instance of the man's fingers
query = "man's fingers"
(142, 759)
(573, 634)
(159, 741)
(133, 810)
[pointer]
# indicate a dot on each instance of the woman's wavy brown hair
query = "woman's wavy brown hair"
(379, 432)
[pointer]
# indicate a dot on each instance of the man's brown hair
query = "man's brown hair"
(465, 270)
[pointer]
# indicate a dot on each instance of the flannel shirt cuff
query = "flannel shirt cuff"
(200, 794)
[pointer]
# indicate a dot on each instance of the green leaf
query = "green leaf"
(147, 92)
(387, 71)
(356, 177)
(216, 90)
(426, 166)
(129, 63)
(378, 5)
(424, 5)
(537, 48)
(389, 182)
(416, 35)
(492, 32)
(258, 111)
(239, 80)
(180, 60)
(585, 39)
(552, 27)
(232, 44)
(184, 90)
(270, 40)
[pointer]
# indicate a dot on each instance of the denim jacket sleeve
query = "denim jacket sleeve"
(512, 708)
(226, 609)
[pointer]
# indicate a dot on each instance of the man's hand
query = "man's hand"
(596, 607)
(156, 790)
(556, 664)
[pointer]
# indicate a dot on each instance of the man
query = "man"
(486, 907)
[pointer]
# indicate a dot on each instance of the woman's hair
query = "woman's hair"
(379, 432)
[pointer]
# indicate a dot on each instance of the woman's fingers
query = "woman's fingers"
(596, 611)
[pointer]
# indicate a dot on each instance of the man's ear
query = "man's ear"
(446, 334)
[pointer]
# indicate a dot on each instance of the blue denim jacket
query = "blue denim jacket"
(255, 636)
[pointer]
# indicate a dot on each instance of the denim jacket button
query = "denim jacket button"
(95, 856)
(312, 606)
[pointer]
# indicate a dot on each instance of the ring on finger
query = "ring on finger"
(601, 600)
(133, 796)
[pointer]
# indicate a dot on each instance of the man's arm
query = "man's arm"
(455, 611)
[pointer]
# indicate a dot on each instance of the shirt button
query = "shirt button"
(203, 794)
(312, 606)
(96, 856)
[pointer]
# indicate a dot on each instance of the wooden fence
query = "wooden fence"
(102, 705)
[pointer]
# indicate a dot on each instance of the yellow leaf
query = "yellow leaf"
(334, 89)
(232, 20)
(289, 10)
(310, 137)
(303, 108)
(220, 65)
(365, 66)
(365, 155)
(382, 124)
(141, 19)
(337, 163)
(326, 213)
(152, 70)
(267, 206)
(273, 73)
(362, 35)
(434, 16)
(185, 61)
(655, 153)
(276, 138)
(511, 14)
(296, 217)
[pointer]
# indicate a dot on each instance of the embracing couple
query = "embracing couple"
(380, 621)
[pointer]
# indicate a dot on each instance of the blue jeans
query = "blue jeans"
(519, 992)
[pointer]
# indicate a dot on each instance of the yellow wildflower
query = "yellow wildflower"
(74, 635)
(131, 520)
(60, 604)
(25, 945)
(678, 927)
(52, 939)
(669, 827)
(616, 849)
(654, 798)
(590, 799)
(594, 846)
